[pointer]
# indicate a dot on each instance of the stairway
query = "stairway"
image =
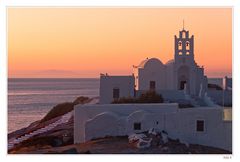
(64, 119)
(192, 99)
(208, 100)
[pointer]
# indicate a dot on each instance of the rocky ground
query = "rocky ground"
(60, 141)
(115, 145)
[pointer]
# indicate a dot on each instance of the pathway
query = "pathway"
(64, 119)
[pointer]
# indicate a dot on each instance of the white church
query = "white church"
(174, 80)
(180, 80)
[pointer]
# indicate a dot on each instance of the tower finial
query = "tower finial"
(183, 24)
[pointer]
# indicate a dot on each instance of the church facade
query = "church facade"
(179, 78)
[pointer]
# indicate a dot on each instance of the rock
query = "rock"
(135, 137)
(185, 143)
(164, 132)
(165, 149)
(86, 152)
(164, 138)
(70, 151)
(116, 145)
(156, 140)
(66, 139)
(152, 131)
(144, 143)
(140, 140)
(57, 142)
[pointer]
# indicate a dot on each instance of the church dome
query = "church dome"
(141, 65)
(150, 62)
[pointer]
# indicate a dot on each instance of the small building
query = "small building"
(115, 87)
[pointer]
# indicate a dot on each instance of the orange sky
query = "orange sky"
(84, 42)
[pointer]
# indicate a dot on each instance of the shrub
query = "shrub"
(81, 100)
(64, 108)
(124, 100)
(148, 97)
(58, 110)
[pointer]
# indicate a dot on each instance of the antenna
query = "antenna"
(183, 24)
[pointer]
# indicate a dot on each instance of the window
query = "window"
(116, 93)
(137, 126)
(179, 45)
(187, 53)
(183, 34)
(180, 53)
(200, 126)
(152, 85)
(187, 45)
(157, 122)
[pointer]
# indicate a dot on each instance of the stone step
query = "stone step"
(64, 119)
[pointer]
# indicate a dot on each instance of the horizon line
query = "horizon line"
(53, 78)
(82, 77)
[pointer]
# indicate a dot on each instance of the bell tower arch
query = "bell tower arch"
(184, 47)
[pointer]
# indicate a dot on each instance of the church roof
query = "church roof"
(170, 62)
(141, 65)
(144, 62)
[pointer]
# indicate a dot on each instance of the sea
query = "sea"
(30, 99)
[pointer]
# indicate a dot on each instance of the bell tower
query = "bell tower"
(184, 47)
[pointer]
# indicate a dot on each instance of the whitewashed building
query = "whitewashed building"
(114, 87)
(179, 79)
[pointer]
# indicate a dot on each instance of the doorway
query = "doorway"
(183, 79)
(183, 85)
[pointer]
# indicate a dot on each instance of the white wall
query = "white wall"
(227, 83)
(217, 132)
(101, 125)
(153, 70)
(83, 113)
(170, 76)
(108, 83)
(93, 121)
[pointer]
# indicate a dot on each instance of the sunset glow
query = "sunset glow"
(84, 42)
